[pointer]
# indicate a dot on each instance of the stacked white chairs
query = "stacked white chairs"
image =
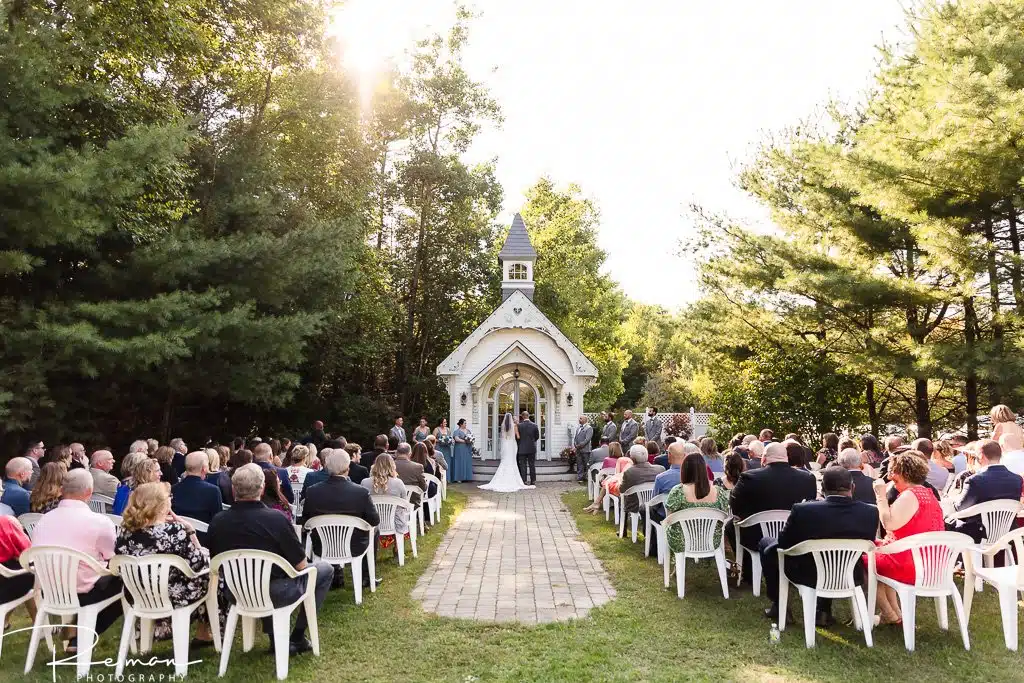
(433, 503)
(644, 492)
(56, 570)
(101, 504)
(997, 518)
(247, 576)
(335, 535)
(387, 510)
(699, 527)
(652, 526)
(147, 581)
(28, 521)
(8, 607)
(592, 487)
(935, 554)
(834, 562)
(410, 491)
(1008, 581)
(771, 523)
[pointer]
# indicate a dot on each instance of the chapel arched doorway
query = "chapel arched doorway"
(513, 391)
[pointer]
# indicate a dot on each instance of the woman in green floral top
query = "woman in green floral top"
(693, 491)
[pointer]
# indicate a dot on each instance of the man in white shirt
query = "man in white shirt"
(1013, 453)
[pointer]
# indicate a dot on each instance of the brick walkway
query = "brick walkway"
(514, 557)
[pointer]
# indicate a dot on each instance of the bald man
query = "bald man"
(193, 496)
(103, 482)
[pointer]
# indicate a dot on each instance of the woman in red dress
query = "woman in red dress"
(915, 511)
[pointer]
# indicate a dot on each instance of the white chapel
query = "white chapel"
(517, 360)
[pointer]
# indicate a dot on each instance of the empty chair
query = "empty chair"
(387, 508)
(101, 504)
(703, 532)
(997, 518)
(834, 561)
(433, 503)
(771, 523)
(28, 521)
(56, 570)
(652, 526)
(935, 554)
(247, 576)
(1008, 581)
(411, 490)
(592, 483)
(644, 492)
(335, 535)
(147, 580)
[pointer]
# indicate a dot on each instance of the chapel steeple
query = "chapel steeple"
(517, 257)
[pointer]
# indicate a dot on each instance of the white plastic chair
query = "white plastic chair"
(444, 486)
(147, 580)
(1007, 580)
(387, 510)
(834, 561)
(335, 534)
(935, 554)
(433, 502)
(771, 523)
(195, 523)
(997, 518)
(116, 519)
(28, 522)
(8, 607)
(592, 472)
(699, 526)
(412, 489)
(101, 504)
(644, 492)
(56, 569)
(247, 576)
(651, 526)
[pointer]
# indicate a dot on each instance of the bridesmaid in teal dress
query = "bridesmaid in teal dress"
(462, 457)
(443, 443)
(421, 432)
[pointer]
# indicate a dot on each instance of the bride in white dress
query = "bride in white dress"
(507, 479)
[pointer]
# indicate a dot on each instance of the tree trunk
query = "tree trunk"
(165, 418)
(869, 397)
(922, 409)
(995, 388)
(971, 376)
(1015, 273)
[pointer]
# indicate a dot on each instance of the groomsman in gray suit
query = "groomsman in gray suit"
(653, 426)
(610, 430)
(628, 431)
(398, 431)
(581, 441)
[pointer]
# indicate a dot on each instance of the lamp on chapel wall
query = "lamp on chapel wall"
(568, 399)
(515, 373)
(462, 399)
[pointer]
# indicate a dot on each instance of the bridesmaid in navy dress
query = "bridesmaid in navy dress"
(462, 458)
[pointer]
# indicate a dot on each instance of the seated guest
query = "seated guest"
(419, 456)
(852, 461)
(356, 472)
(193, 496)
(669, 479)
(937, 474)
(178, 459)
(839, 515)
(46, 494)
(238, 459)
(870, 450)
(384, 481)
(298, 465)
(145, 471)
(262, 456)
(709, 449)
(1013, 453)
(775, 486)
(149, 527)
(829, 449)
(435, 453)
(380, 445)
(610, 485)
(693, 491)
(213, 457)
(273, 498)
(614, 453)
(662, 459)
(73, 525)
(598, 455)
(408, 471)
(942, 455)
(13, 542)
(915, 511)
(340, 496)
(993, 482)
(892, 493)
(653, 451)
(735, 466)
(103, 482)
(642, 472)
(165, 457)
(755, 457)
(795, 455)
(319, 476)
(250, 525)
(16, 476)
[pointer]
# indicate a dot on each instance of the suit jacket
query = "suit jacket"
(834, 517)
(35, 475)
(641, 473)
(282, 474)
(356, 472)
(628, 432)
(653, 429)
(662, 461)
(366, 459)
(104, 483)
(773, 487)
(609, 431)
(598, 455)
(340, 496)
(314, 478)
(411, 473)
(178, 463)
(398, 433)
(196, 498)
(862, 487)
(995, 482)
(583, 439)
(529, 435)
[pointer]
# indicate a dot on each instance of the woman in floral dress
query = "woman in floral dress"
(693, 491)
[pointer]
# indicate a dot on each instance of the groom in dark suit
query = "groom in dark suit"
(526, 454)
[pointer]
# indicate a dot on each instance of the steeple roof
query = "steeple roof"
(517, 245)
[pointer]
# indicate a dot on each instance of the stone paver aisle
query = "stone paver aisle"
(514, 557)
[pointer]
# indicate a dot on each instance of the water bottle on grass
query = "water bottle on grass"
(774, 634)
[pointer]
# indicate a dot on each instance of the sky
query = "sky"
(649, 106)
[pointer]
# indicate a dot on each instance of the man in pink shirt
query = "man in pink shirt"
(74, 525)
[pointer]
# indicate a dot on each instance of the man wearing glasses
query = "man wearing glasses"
(33, 451)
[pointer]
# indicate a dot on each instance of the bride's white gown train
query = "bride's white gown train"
(507, 479)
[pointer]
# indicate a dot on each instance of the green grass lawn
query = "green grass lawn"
(645, 634)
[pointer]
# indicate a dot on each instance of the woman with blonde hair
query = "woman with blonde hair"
(145, 471)
(165, 456)
(942, 455)
(298, 468)
(1004, 422)
(46, 493)
(149, 527)
(312, 461)
(129, 463)
(384, 481)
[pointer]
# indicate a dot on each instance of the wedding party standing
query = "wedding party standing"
(444, 443)
(421, 432)
(629, 430)
(462, 457)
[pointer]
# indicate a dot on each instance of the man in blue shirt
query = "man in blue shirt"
(262, 456)
(193, 496)
(17, 474)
